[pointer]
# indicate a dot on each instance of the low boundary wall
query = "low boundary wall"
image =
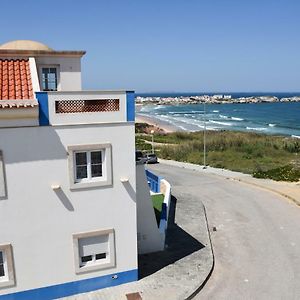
(159, 185)
(165, 188)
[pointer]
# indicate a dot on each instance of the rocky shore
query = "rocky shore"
(215, 99)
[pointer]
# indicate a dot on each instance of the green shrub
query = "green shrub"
(292, 146)
(141, 127)
(285, 173)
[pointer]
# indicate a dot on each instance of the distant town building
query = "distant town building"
(216, 97)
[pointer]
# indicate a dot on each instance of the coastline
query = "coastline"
(272, 164)
(166, 127)
(260, 118)
(169, 128)
(177, 99)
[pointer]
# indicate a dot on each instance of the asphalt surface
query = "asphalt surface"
(177, 272)
(257, 238)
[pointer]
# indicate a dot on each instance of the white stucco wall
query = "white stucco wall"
(2, 178)
(22, 116)
(69, 71)
(149, 237)
(34, 75)
(90, 117)
(39, 222)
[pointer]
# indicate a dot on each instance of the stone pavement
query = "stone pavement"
(289, 190)
(181, 270)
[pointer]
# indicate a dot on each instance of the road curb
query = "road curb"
(238, 179)
(270, 190)
(196, 292)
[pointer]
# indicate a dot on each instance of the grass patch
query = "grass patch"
(263, 156)
(157, 201)
(141, 145)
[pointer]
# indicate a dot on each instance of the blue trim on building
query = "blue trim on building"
(163, 215)
(130, 101)
(72, 288)
(163, 218)
(42, 98)
(153, 181)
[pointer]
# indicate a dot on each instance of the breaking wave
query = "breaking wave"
(220, 123)
(223, 117)
(256, 128)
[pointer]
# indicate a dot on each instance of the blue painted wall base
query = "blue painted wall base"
(75, 287)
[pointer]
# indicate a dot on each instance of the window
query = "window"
(6, 266)
(3, 269)
(90, 165)
(94, 250)
(49, 79)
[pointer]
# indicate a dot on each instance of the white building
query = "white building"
(67, 177)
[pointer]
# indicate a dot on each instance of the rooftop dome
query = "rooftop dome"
(25, 45)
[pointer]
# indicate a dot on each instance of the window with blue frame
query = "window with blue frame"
(49, 79)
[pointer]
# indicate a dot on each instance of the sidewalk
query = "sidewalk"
(289, 190)
(180, 270)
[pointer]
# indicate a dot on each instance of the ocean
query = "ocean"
(269, 118)
(234, 95)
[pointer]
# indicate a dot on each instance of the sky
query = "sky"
(168, 45)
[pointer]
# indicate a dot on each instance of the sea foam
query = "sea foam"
(296, 136)
(256, 128)
(220, 123)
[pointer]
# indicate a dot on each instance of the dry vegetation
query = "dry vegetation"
(264, 156)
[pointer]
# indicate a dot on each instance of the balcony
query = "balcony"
(85, 107)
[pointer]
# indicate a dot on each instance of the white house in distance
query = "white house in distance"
(67, 177)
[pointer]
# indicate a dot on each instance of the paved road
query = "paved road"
(257, 242)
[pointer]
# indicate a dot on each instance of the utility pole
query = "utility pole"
(152, 132)
(204, 139)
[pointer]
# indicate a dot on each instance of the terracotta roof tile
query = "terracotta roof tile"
(15, 80)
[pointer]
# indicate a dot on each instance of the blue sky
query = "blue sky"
(169, 45)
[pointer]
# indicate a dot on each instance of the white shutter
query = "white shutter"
(93, 245)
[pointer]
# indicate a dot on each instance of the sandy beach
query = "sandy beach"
(166, 127)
